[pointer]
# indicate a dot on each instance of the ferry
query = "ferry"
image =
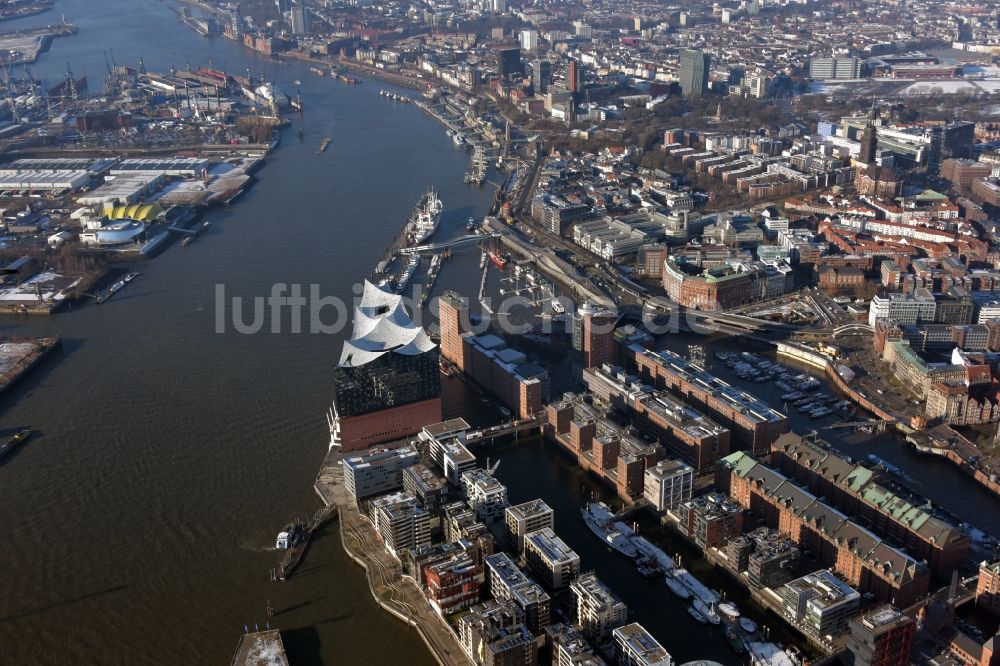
(8, 446)
(498, 260)
(598, 518)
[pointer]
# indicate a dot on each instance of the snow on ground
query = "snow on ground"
(768, 654)
(51, 285)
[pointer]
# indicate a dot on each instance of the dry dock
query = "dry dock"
(394, 592)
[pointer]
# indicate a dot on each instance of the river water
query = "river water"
(137, 525)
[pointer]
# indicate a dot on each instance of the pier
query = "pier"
(18, 357)
(395, 593)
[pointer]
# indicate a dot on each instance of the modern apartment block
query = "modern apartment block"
(401, 522)
(598, 610)
(668, 484)
(485, 495)
(820, 604)
(634, 646)
(378, 471)
(882, 636)
(527, 517)
(549, 556)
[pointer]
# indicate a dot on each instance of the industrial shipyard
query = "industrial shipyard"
(498, 333)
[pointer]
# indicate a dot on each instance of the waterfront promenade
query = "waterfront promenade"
(394, 592)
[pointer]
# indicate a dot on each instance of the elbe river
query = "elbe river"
(137, 527)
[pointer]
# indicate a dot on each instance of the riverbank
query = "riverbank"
(393, 591)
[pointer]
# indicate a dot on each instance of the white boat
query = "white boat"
(697, 615)
(706, 610)
(748, 625)
(695, 586)
(425, 217)
(646, 548)
(599, 518)
(482, 261)
(677, 587)
(458, 138)
(268, 94)
(729, 611)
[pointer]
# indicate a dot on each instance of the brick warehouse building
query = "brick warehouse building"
(387, 385)
(853, 489)
(486, 359)
(753, 423)
(863, 559)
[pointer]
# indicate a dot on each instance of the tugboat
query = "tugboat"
(498, 260)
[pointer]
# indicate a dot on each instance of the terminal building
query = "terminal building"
(387, 383)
